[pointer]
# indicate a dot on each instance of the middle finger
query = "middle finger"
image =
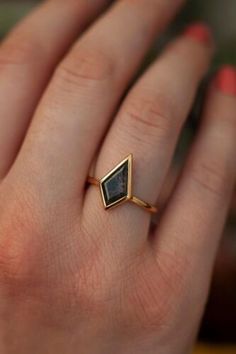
(83, 95)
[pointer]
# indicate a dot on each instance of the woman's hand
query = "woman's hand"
(75, 278)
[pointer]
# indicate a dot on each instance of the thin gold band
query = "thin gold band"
(94, 181)
(148, 207)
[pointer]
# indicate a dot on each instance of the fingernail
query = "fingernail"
(199, 32)
(225, 80)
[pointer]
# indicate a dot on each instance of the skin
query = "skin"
(75, 278)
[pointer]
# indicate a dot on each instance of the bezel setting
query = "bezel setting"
(128, 195)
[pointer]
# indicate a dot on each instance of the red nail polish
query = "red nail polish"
(199, 32)
(225, 80)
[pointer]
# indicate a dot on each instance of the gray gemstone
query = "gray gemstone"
(115, 187)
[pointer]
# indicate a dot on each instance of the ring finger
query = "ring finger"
(150, 120)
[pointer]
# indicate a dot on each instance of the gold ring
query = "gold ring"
(116, 186)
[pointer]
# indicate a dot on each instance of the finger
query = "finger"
(192, 224)
(151, 117)
(27, 58)
(85, 91)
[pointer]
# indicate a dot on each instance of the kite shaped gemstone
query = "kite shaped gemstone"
(116, 185)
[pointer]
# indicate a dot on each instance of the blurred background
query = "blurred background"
(218, 330)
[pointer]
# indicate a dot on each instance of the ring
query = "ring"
(116, 186)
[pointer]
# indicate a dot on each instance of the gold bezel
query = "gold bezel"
(122, 200)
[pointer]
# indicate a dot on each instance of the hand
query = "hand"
(74, 277)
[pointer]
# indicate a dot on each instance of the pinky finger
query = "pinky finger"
(192, 224)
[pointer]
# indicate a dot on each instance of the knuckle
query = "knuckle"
(211, 178)
(157, 290)
(84, 67)
(19, 51)
(28, 259)
(90, 293)
(94, 281)
(147, 117)
(19, 231)
(150, 305)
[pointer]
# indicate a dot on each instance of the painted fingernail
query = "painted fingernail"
(199, 32)
(225, 80)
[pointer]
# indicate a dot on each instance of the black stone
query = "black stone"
(115, 187)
